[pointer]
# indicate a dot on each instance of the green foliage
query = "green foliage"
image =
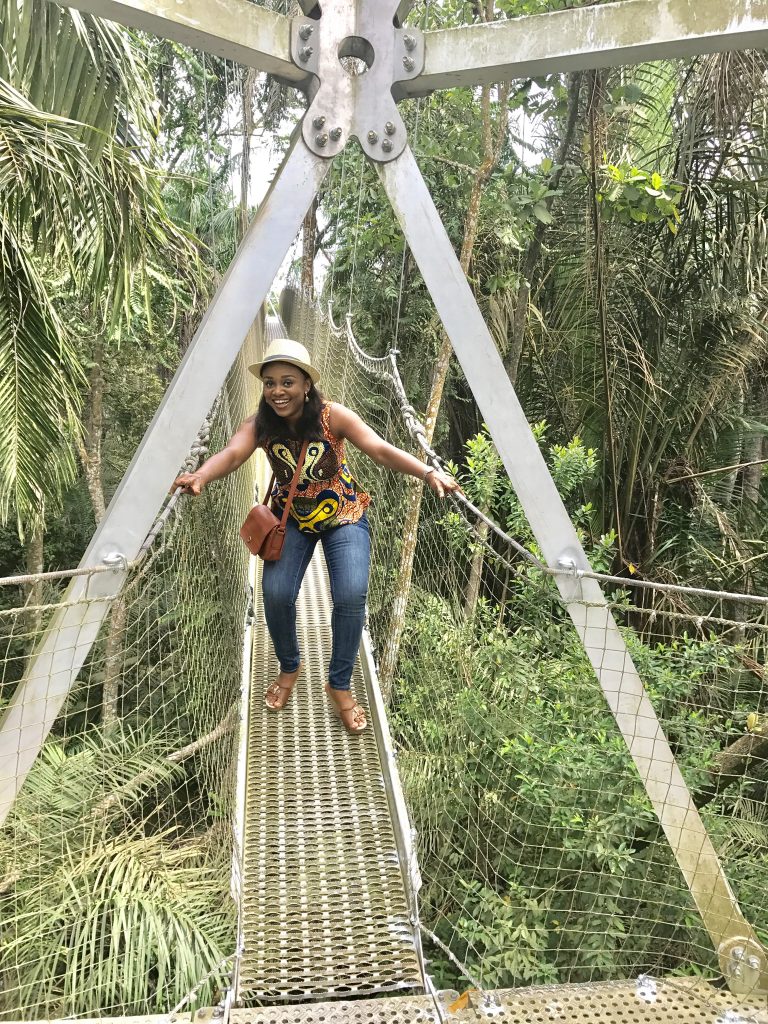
(114, 917)
(642, 197)
(536, 835)
(81, 219)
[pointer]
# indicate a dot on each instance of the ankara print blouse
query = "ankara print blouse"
(327, 494)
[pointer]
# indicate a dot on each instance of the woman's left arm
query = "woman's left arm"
(347, 424)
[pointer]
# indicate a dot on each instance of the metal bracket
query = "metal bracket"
(358, 103)
(744, 965)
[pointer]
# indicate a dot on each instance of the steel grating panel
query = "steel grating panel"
(641, 1002)
(324, 909)
(644, 1001)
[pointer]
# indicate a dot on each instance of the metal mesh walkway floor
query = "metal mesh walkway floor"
(324, 910)
(680, 1001)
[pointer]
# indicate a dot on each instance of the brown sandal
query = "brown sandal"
(279, 694)
(352, 718)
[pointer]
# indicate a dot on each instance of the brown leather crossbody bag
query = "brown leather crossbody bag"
(262, 532)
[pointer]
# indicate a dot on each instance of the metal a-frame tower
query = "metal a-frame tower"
(401, 62)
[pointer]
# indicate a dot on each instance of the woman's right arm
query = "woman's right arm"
(240, 447)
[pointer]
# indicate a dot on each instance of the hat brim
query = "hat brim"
(310, 371)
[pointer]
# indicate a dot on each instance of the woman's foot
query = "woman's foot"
(278, 692)
(346, 707)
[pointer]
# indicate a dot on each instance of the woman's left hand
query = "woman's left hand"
(442, 483)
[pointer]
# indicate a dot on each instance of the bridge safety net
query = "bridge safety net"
(116, 856)
(541, 856)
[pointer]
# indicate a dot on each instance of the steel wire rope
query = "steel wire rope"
(377, 367)
(375, 364)
(538, 842)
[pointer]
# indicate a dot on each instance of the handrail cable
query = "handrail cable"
(386, 367)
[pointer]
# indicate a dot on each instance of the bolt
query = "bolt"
(321, 140)
(305, 32)
(389, 128)
(387, 145)
(115, 560)
(373, 138)
(305, 53)
(335, 134)
(736, 971)
(410, 42)
(409, 63)
(318, 122)
(754, 963)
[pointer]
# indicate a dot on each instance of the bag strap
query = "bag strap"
(294, 485)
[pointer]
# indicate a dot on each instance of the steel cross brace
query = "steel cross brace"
(400, 62)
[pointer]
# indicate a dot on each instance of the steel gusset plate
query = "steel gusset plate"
(357, 56)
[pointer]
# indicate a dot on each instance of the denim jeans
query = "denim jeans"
(347, 552)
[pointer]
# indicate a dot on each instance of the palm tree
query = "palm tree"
(81, 215)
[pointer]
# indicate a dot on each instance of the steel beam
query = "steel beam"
(556, 536)
(74, 628)
(235, 29)
(587, 37)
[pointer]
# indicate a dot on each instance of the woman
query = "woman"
(328, 507)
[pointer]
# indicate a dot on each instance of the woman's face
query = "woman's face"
(284, 389)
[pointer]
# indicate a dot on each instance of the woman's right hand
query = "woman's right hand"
(190, 483)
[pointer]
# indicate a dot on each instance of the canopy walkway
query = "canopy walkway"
(324, 905)
(328, 921)
(168, 846)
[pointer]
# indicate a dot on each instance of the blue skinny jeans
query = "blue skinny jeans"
(347, 552)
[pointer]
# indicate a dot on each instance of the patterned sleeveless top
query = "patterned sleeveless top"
(326, 495)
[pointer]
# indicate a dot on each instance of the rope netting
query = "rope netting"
(116, 857)
(541, 856)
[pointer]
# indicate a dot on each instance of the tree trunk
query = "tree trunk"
(492, 145)
(754, 445)
(308, 251)
(249, 87)
(533, 254)
(610, 467)
(389, 655)
(33, 557)
(90, 456)
(90, 449)
(113, 664)
(476, 569)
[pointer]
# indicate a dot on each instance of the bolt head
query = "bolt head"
(373, 137)
(335, 134)
(318, 122)
(387, 145)
(305, 32)
(410, 42)
(321, 140)
(305, 53)
(754, 963)
(409, 63)
(389, 128)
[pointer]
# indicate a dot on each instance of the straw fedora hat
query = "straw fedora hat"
(284, 350)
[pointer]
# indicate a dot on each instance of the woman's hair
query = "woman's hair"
(309, 428)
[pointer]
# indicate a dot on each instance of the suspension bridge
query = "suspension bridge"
(347, 858)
